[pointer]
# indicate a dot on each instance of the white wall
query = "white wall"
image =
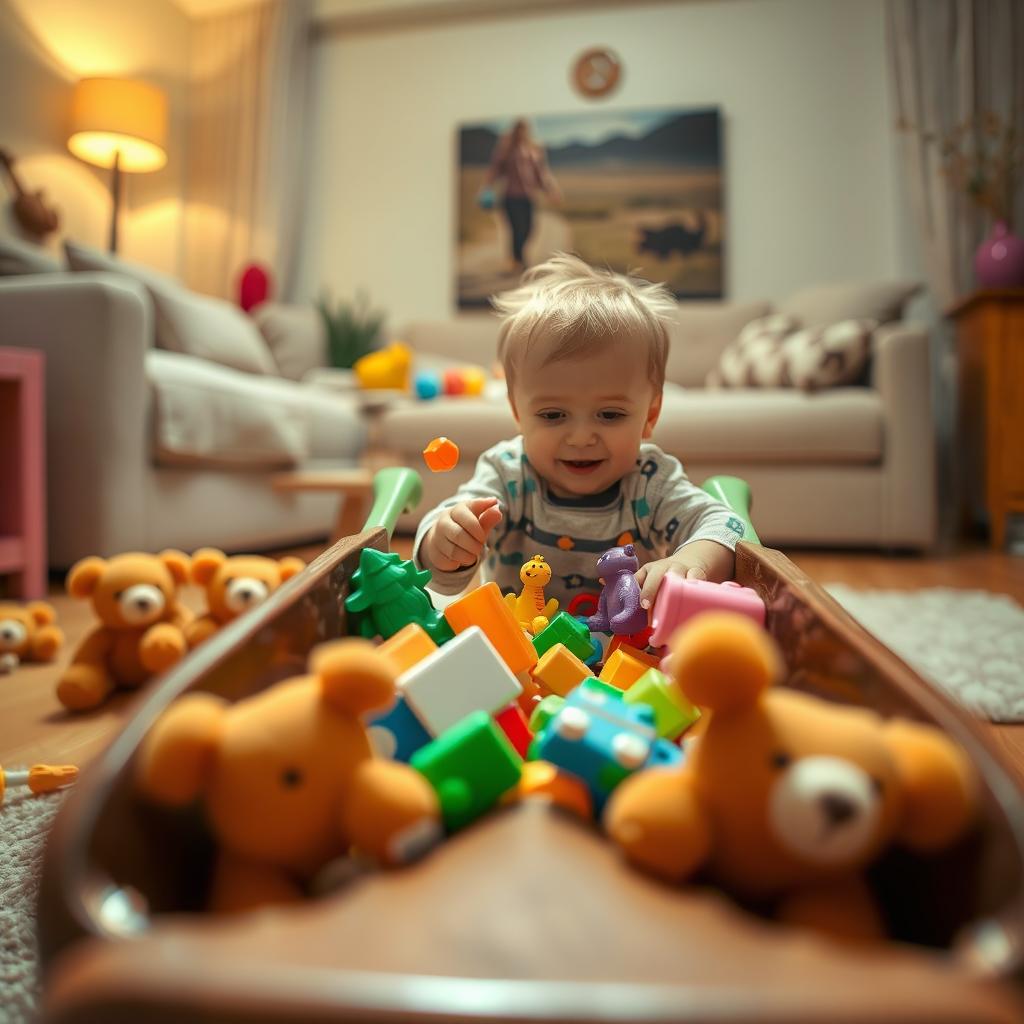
(811, 181)
(45, 47)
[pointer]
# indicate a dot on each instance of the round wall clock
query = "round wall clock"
(596, 72)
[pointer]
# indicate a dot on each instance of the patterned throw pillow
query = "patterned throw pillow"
(776, 352)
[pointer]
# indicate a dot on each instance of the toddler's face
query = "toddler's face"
(582, 420)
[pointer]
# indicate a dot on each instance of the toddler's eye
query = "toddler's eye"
(550, 415)
(610, 415)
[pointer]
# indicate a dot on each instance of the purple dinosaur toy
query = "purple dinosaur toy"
(618, 610)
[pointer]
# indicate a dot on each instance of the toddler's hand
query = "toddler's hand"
(700, 560)
(458, 537)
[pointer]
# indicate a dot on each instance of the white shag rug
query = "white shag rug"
(970, 643)
(24, 823)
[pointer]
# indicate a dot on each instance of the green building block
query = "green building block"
(564, 629)
(673, 713)
(545, 711)
(600, 686)
(387, 594)
(471, 765)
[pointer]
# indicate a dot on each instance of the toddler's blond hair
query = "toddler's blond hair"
(569, 307)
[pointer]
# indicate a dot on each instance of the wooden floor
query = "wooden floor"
(34, 728)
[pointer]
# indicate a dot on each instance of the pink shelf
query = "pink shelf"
(23, 494)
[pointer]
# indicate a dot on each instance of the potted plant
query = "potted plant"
(353, 329)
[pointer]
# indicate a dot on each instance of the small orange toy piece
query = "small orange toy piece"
(543, 779)
(441, 455)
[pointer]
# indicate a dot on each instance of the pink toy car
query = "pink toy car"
(680, 599)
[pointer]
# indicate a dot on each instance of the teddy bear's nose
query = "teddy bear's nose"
(838, 808)
(142, 602)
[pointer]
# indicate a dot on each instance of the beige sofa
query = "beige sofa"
(849, 466)
(149, 448)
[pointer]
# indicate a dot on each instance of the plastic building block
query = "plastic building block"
(560, 671)
(531, 695)
(541, 779)
(465, 675)
(441, 455)
(564, 629)
(673, 713)
(599, 740)
(530, 609)
(680, 599)
(470, 767)
(664, 754)
(485, 607)
(387, 594)
(622, 670)
(427, 384)
(514, 725)
(386, 368)
(397, 734)
(544, 711)
(408, 646)
(600, 686)
(618, 609)
(620, 643)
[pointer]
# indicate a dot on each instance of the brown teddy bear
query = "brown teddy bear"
(234, 585)
(784, 797)
(141, 631)
(28, 633)
(289, 779)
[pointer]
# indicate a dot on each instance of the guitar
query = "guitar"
(30, 209)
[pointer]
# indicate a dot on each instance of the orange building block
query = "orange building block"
(542, 779)
(408, 646)
(531, 694)
(441, 455)
(622, 670)
(619, 643)
(559, 670)
(486, 608)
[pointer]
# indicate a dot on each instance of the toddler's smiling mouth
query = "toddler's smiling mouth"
(581, 465)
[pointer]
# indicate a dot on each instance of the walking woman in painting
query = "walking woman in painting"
(522, 165)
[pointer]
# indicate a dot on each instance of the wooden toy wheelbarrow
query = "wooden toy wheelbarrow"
(527, 915)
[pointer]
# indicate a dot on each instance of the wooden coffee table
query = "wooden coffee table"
(354, 486)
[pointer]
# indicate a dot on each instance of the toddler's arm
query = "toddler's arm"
(451, 538)
(700, 532)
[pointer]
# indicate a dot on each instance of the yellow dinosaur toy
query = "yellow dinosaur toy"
(529, 608)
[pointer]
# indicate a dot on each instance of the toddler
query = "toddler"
(584, 355)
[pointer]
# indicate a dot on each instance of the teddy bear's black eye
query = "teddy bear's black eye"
(118, 595)
(877, 786)
(780, 760)
(291, 777)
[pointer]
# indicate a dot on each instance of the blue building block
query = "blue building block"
(398, 733)
(664, 754)
(599, 739)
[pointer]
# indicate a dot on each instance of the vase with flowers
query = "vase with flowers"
(984, 159)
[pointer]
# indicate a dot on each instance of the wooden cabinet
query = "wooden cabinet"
(990, 427)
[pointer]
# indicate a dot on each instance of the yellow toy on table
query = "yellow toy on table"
(389, 368)
(530, 609)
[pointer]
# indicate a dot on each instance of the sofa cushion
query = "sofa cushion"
(697, 338)
(775, 352)
(782, 425)
(827, 304)
(469, 338)
(191, 324)
(18, 257)
(295, 335)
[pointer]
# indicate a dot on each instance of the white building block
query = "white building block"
(466, 674)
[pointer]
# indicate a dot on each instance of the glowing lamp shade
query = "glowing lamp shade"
(119, 118)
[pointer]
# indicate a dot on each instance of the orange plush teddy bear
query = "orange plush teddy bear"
(234, 585)
(289, 779)
(141, 625)
(28, 633)
(785, 797)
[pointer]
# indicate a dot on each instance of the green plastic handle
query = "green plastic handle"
(734, 492)
(396, 489)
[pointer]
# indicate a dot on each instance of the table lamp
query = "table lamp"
(121, 124)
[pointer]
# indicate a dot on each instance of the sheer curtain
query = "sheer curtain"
(952, 60)
(246, 136)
